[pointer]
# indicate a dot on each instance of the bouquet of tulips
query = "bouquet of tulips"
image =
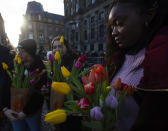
(17, 75)
(20, 77)
(96, 99)
(21, 82)
(58, 75)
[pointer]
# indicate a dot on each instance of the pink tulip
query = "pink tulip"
(32, 81)
(51, 58)
(83, 103)
(84, 80)
(77, 65)
(90, 88)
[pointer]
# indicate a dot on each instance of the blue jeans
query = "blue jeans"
(32, 123)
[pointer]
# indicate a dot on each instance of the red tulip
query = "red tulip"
(82, 58)
(36, 71)
(90, 88)
(83, 103)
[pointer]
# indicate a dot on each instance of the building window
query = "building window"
(85, 33)
(85, 22)
(41, 37)
(91, 47)
(93, 1)
(100, 47)
(50, 37)
(41, 26)
(92, 19)
(101, 31)
(29, 17)
(39, 17)
(49, 20)
(71, 11)
(30, 35)
(101, 16)
(86, 3)
(77, 5)
(77, 36)
(92, 33)
(29, 26)
(77, 25)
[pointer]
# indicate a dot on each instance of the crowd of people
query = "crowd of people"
(136, 52)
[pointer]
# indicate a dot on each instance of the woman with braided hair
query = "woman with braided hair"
(137, 52)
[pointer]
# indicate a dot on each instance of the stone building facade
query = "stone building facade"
(40, 25)
(85, 23)
(3, 36)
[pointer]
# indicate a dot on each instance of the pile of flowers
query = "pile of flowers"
(96, 99)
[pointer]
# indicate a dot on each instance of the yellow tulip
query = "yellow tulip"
(54, 112)
(56, 118)
(108, 88)
(57, 55)
(61, 87)
(65, 71)
(4, 65)
(16, 58)
(62, 40)
(19, 60)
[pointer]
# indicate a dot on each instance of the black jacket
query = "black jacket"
(5, 81)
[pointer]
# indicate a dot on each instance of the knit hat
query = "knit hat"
(29, 45)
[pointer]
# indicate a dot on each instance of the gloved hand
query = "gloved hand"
(10, 114)
(21, 115)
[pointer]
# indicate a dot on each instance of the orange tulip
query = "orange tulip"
(130, 89)
(92, 77)
(117, 84)
(97, 74)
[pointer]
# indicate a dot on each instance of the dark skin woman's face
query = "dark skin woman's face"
(127, 26)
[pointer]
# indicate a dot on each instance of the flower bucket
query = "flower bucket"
(56, 100)
(18, 98)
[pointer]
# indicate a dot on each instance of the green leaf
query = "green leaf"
(86, 71)
(93, 124)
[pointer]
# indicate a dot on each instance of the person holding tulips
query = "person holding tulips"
(5, 59)
(137, 46)
(59, 43)
(29, 117)
(60, 48)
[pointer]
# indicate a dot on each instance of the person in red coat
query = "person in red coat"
(137, 51)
